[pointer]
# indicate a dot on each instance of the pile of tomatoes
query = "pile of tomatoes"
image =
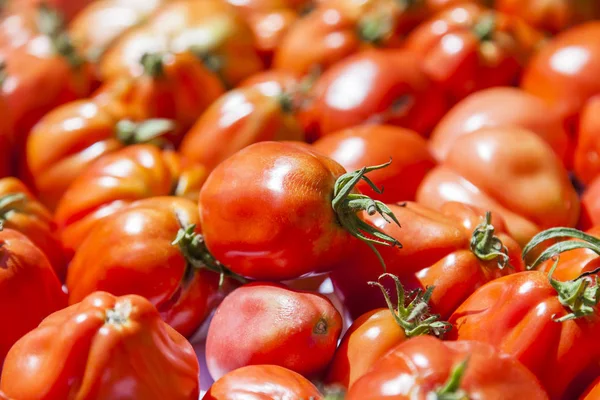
(300, 199)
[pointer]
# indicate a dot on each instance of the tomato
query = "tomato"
(66, 8)
(105, 347)
(364, 145)
(6, 134)
(590, 205)
(552, 16)
(133, 173)
(376, 332)
(587, 152)
(455, 250)
(267, 323)
(375, 86)
(275, 81)
(499, 107)
(20, 211)
(467, 48)
(256, 205)
(564, 72)
(262, 381)
(239, 118)
(29, 289)
(211, 29)
(510, 171)
(425, 367)
(592, 392)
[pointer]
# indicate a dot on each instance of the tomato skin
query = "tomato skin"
(6, 139)
(587, 152)
(435, 252)
(83, 353)
(273, 81)
(223, 130)
(33, 220)
(516, 315)
(422, 365)
(294, 329)
(592, 392)
(67, 8)
(375, 86)
(29, 288)
(590, 206)
(117, 179)
(462, 60)
(510, 171)
(364, 145)
(497, 107)
(262, 381)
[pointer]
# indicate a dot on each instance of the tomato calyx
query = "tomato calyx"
(11, 202)
(214, 63)
(414, 318)
(484, 28)
(152, 64)
(375, 28)
(347, 205)
(51, 24)
(486, 246)
(119, 314)
(451, 390)
(150, 131)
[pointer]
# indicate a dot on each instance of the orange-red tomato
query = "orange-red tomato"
(264, 382)
(117, 179)
(375, 86)
(590, 206)
(29, 289)
(20, 211)
(6, 135)
(497, 107)
(587, 152)
(425, 367)
(267, 323)
(105, 347)
(364, 145)
(510, 171)
(211, 29)
(445, 249)
(467, 48)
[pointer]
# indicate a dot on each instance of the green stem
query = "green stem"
(50, 23)
(486, 246)
(484, 28)
(149, 131)
(451, 390)
(153, 64)
(11, 202)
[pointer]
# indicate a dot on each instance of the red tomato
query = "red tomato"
(275, 81)
(267, 323)
(375, 86)
(590, 205)
(498, 107)
(29, 289)
(364, 145)
(20, 211)
(592, 392)
(211, 29)
(6, 134)
(105, 347)
(455, 250)
(256, 205)
(468, 48)
(133, 173)
(510, 171)
(376, 332)
(238, 119)
(264, 382)
(587, 152)
(425, 367)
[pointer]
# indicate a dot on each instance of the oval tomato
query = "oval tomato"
(130, 174)
(590, 205)
(294, 329)
(263, 381)
(587, 152)
(498, 107)
(467, 48)
(455, 250)
(510, 171)
(364, 145)
(6, 134)
(426, 367)
(29, 289)
(375, 86)
(257, 203)
(105, 347)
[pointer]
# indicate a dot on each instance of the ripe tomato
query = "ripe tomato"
(455, 250)
(66, 8)
(29, 289)
(133, 173)
(211, 29)
(276, 82)
(378, 331)
(498, 107)
(587, 152)
(467, 48)
(510, 171)
(180, 280)
(257, 203)
(375, 86)
(425, 367)
(590, 205)
(6, 134)
(364, 145)
(552, 16)
(105, 347)
(263, 381)
(267, 323)
(20, 211)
